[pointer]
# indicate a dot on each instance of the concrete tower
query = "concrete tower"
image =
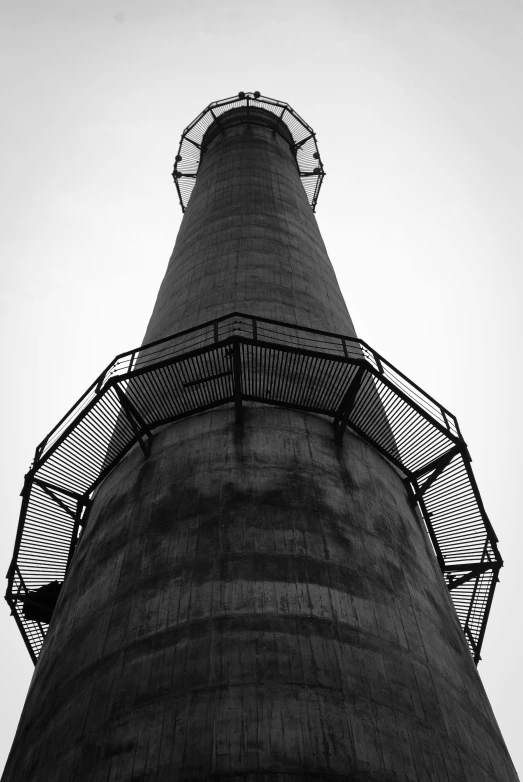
(255, 594)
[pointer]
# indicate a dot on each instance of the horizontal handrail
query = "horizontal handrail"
(179, 343)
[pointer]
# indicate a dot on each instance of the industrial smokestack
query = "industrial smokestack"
(275, 560)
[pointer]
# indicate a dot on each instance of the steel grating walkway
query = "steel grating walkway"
(241, 358)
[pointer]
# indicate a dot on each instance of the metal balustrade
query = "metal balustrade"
(301, 135)
(234, 359)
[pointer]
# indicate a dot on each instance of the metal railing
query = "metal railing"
(240, 358)
(305, 147)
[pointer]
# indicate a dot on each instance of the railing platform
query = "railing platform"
(304, 145)
(241, 358)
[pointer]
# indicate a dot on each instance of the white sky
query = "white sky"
(417, 107)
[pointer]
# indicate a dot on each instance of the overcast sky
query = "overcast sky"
(417, 109)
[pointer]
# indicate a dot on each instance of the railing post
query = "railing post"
(40, 449)
(237, 369)
(377, 359)
(131, 362)
(100, 383)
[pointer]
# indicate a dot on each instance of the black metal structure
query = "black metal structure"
(235, 359)
(192, 143)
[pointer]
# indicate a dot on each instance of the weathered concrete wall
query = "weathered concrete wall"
(255, 604)
(249, 242)
(275, 609)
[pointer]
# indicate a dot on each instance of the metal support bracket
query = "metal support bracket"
(217, 120)
(342, 416)
(280, 119)
(48, 489)
(74, 536)
(437, 467)
(237, 370)
(300, 144)
(472, 642)
(473, 571)
(138, 425)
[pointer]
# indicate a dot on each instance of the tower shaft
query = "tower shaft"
(249, 242)
(259, 601)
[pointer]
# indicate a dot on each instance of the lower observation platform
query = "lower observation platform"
(235, 359)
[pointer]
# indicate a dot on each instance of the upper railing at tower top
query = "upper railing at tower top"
(305, 148)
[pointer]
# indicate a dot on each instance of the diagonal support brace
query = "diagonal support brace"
(237, 373)
(438, 466)
(473, 571)
(141, 430)
(342, 416)
(300, 144)
(50, 493)
(80, 519)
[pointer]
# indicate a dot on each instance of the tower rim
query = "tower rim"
(246, 116)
